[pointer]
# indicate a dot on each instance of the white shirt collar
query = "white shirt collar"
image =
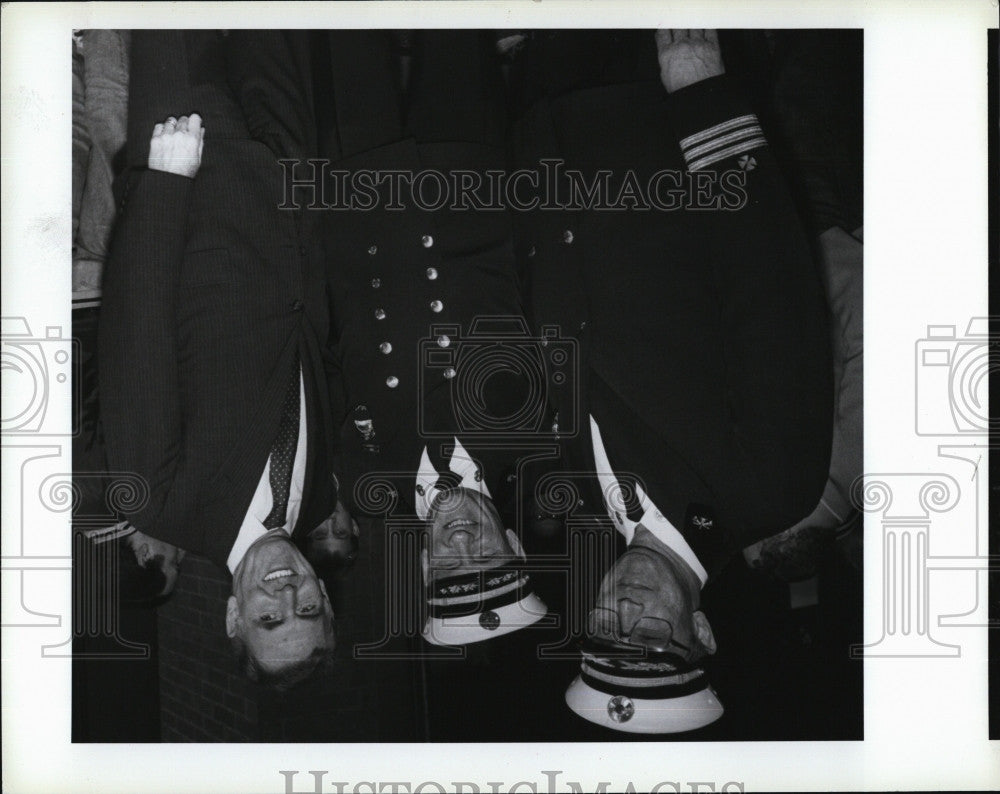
(652, 519)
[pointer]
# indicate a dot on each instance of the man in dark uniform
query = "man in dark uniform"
(418, 102)
(213, 384)
(414, 292)
(705, 393)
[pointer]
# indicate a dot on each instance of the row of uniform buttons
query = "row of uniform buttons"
(567, 238)
(436, 306)
(426, 241)
(432, 274)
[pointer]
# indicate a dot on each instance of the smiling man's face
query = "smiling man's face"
(467, 534)
(279, 608)
(647, 582)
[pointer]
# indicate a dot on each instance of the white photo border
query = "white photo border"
(926, 264)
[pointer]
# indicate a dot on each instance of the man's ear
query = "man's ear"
(233, 616)
(515, 544)
(703, 631)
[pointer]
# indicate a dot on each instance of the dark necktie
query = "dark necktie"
(283, 454)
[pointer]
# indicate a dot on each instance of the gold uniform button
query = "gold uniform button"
(380, 314)
(372, 250)
(386, 347)
(376, 283)
(432, 273)
(436, 306)
(567, 237)
(443, 341)
(450, 373)
(427, 241)
(392, 381)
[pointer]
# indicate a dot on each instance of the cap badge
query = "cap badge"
(489, 620)
(621, 708)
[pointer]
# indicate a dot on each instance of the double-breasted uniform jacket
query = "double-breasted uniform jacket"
(213, 297)
(407, 284)
(702, 331)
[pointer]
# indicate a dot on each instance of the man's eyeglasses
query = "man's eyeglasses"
(656, 634)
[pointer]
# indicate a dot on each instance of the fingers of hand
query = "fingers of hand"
(177, 144)
(668, 36)
(187, 124)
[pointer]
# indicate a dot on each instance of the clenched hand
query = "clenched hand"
(176, 146)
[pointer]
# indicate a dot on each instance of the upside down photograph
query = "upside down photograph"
(466, 385)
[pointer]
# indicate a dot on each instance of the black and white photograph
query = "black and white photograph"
(451, 381)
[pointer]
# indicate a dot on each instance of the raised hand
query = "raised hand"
(176, 146)
(687, 57)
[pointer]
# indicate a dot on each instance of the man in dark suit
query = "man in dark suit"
(705, 389)
(213, 384)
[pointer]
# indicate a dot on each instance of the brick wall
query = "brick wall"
(203, 697)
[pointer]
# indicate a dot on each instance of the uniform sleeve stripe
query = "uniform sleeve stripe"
(718, 129)
(722, 141)
(739, 148)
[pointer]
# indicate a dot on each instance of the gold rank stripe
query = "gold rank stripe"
(749, 131)
(740, 148)
(736, 136)
(718, 129)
